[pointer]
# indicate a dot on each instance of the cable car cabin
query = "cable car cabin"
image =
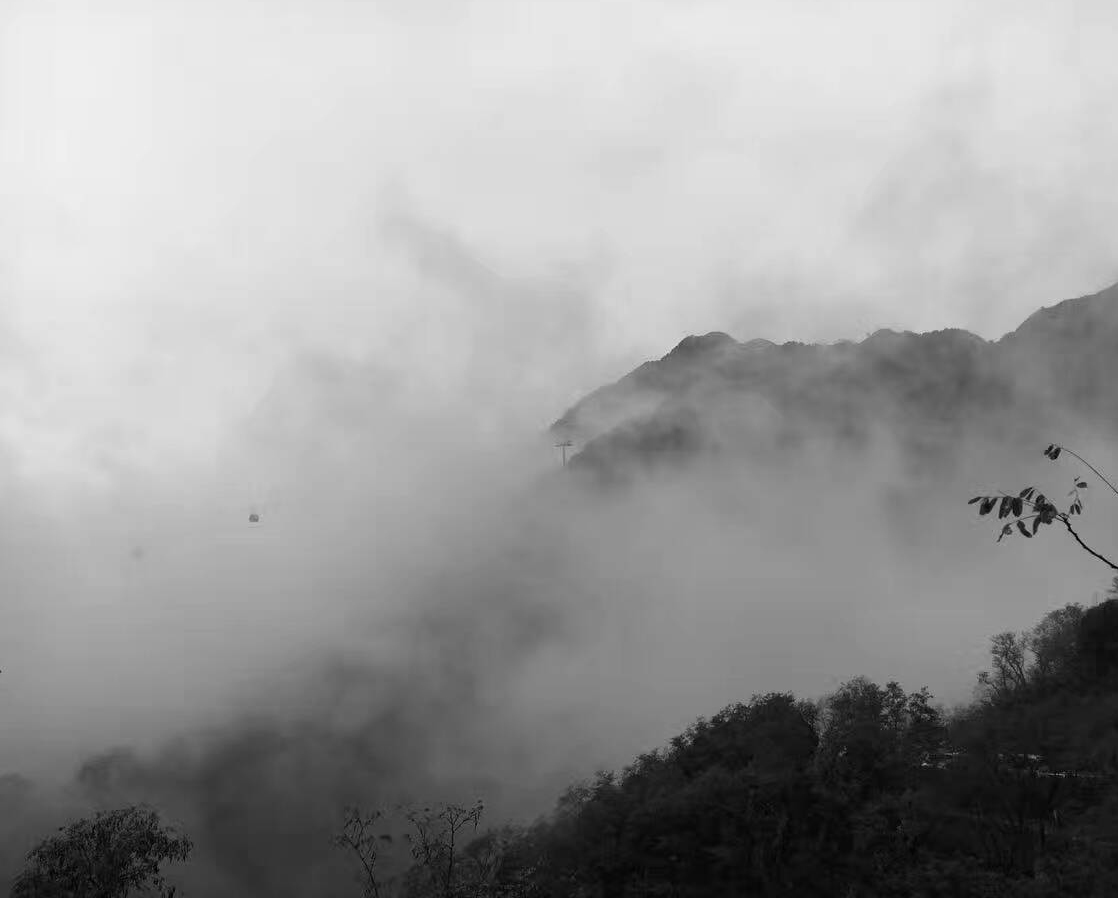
(254, 518)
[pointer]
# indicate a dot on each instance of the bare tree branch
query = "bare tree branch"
(1086, 547)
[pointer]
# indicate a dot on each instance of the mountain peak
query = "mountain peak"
(1072, 317)
(927, 387)
(695, 345)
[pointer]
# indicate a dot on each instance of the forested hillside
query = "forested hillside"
(870, 791)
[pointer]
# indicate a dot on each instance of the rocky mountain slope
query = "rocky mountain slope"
(713, 394)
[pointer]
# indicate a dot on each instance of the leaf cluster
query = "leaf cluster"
(1030, 505)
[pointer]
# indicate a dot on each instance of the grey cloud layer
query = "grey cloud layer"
(356, 256)
(769, 170)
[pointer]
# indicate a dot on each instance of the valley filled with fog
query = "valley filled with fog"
(356, 270)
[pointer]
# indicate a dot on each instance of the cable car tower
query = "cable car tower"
(563, 447)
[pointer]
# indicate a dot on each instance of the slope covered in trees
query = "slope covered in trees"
(870, 791)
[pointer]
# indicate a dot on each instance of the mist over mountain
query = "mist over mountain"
(713, 394)
(291, 295)
(431, 621)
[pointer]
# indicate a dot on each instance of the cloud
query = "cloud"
(346, 261)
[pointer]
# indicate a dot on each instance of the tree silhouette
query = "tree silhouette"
(358, 836)
(108, 856)
(437, 844)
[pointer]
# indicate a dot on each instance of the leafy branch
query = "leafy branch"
(1041, 510)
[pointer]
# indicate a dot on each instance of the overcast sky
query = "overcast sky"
(514, 200)
(345, 260)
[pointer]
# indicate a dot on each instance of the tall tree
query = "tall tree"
(109, 856)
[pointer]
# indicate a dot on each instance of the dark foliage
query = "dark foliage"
(112, 855)
(1030, 509)
(870, 792)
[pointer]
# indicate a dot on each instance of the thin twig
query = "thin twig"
(1113, 489)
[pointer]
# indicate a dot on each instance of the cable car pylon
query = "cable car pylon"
(563, 447)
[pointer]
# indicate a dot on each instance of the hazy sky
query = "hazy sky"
(346, 260)
(193, 193)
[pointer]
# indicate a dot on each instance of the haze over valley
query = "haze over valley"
(795, 283)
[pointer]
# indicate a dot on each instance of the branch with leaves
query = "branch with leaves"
(1029, 505)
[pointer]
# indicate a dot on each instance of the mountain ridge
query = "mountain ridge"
(1062, 358)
